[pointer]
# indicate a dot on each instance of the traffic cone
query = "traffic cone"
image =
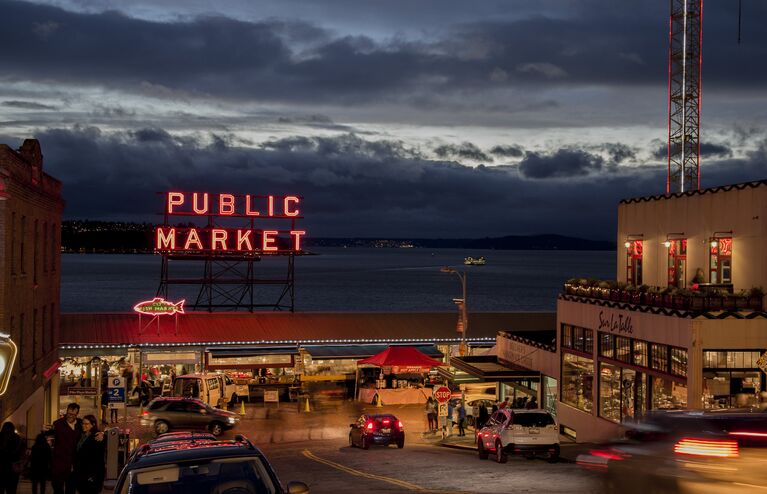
(306, 408)
(378, 401)
(242, 407)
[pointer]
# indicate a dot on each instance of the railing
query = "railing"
(700, 300)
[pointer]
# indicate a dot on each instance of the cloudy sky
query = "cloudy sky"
(431, 118)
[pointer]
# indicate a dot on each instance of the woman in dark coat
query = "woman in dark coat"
(11, 453)
(40, 463)
(89, 467)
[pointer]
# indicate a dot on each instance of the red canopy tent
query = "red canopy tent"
(404, 358)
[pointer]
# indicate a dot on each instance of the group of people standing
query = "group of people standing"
(75, 463)
(456, 413)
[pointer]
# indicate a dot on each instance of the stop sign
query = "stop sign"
(442, 394)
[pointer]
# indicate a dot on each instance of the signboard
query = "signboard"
(116, 392)
(442, 410)
(242, 390)
(442, 394)
(76, 390)
(219, 240)
(271, 396)
(761, 363)
(159, 307)
(8, 353)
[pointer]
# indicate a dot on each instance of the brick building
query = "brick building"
(30, 238)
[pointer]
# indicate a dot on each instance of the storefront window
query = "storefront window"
(577, 338)
(730, 359)
(567, 336)
(606, 345)
(610, 392)
(679, 362)
(628, 392)
(724, 389)
(623, 349)
(550, 395)
(578, 381)
(668, 394)
(640, 353)
(634, 263)
(677, 263)
(660, 357)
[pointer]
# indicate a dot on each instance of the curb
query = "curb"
(464, 447)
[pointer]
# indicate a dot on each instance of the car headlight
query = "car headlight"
(231, 420)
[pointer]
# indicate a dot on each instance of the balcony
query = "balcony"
(707, 298)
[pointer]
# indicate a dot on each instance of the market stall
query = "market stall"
(401, 373)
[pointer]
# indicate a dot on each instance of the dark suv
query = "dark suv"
(218, 467)
(164, 414)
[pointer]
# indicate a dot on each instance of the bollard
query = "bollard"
(242, 408)
(378, 401)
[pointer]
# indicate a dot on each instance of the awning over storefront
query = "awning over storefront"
(248, 357)
(361, 351)
(489, 368)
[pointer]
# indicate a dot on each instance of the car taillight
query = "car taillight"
(399, 425)
(707, 447)
(145, 414)
(370, 426)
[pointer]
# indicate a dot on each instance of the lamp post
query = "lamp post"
(461, 302)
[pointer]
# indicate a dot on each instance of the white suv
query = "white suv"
(522, 432)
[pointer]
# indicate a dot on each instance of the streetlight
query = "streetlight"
(463, 323)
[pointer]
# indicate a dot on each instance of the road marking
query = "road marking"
(359, 473)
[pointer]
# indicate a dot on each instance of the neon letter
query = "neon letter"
(271, 206)
(267, 240)
(174, 199)
(225, 204)
(288, 200)
(243, 237)
(218, 236)
(297, 238)
(193, 237)
(196, 207)
(163, 241)
(248, 211)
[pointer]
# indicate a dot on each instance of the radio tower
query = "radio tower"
(684, 62)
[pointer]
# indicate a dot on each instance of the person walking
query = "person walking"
(104, 404)
(532, 404)
(483, 416)
(89, 465)
(40, 463)
(431, 413)
(504, 403)
(66, 433)
(461, 418)
(12, 449)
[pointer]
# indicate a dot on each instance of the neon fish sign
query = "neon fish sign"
(159, 307)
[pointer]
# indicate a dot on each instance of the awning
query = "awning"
(361, 351)
(251, 357)
(489, 368)
(401, 356)
(243, 351)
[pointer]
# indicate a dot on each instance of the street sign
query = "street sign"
(442, 394)
(762, 362)
(271, 396)
(443, 409)
(116, 392)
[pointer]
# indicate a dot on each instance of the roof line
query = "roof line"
(710, 190)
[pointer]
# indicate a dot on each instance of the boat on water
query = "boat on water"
(471, 261)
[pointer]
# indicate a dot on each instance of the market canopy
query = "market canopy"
(401, 359)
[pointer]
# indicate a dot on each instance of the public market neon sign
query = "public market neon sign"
(222, 240)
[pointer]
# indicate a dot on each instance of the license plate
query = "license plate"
(534, 431)
(385, 431)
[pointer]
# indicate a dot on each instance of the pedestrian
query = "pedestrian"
(12, 449)
(483, 416)
(449, 421)
(66, 432)
(461, 418)
(504, 403)
(89, 467)
(431, 413)
(532, 404)
(40, 463)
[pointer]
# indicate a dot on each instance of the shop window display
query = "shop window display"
(640, 353)
(737, 389)
(606, 345)
(659, 357)
(578, 381)
(610, 392)
(679, 362)
(668, 394)
(623, 349)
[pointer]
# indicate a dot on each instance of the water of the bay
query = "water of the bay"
(353, 279)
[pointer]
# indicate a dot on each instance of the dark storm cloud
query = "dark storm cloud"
(465, 150)
(619, 152)
(507, 151)
(561, 164)
(707, 150)
(27, 105)
(598, 43)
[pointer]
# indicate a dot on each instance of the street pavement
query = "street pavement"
(318, 440)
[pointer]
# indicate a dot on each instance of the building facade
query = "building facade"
(681, 326)
(30, 224)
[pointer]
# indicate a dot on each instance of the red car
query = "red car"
(383, 429)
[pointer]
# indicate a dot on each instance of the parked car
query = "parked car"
(210, 388)
(164, 414)
(383, 429)
(720, 451)
(519, 432)
(219, 467)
